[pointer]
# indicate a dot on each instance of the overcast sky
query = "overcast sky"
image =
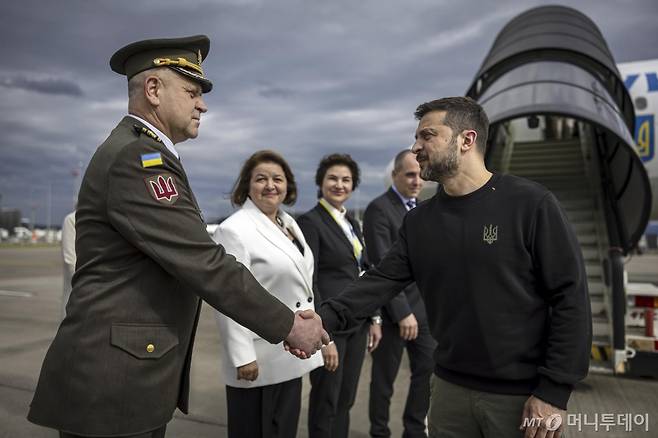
(305, 78)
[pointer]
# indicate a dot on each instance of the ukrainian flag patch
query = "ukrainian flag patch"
(150, 160)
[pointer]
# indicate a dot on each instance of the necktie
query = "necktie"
(411, 204)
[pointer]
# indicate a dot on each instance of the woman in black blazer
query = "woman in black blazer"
(337, 244)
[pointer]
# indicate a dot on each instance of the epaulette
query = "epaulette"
(147, 132)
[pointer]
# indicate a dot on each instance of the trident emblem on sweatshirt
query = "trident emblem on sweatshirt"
(490, 234)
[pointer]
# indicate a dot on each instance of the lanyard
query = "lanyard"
(357, 248)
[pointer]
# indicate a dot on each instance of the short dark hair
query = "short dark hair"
(337, 160)
(240, 189)
(462, 113)
(397, 162)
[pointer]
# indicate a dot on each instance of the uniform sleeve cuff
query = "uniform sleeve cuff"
(329, 318)
(552, 392)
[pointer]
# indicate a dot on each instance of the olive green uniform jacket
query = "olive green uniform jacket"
(120, 362)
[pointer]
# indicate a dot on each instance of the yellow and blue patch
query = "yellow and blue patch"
(150, 160)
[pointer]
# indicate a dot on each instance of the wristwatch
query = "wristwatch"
(376, 320)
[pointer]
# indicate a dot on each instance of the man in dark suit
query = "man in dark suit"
(404, 320)
(120, 362)
(504, 283)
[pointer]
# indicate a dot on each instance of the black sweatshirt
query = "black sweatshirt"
(504, 284)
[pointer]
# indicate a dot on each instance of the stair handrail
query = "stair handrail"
(508, 149)
(616, 270)
(608, 186)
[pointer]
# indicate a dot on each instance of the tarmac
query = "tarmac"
(30, 306)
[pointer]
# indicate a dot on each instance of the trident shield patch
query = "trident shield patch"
(490, 234)
(162, 188)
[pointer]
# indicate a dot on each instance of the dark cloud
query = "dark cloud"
(276, 92)
(45, 86)
(304, 78)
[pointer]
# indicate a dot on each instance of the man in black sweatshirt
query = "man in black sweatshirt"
(502, 276)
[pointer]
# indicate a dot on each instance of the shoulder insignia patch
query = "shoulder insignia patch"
(150, 160)
(147, 132)
(162, 188)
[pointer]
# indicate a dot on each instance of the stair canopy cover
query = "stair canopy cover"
(553, 60)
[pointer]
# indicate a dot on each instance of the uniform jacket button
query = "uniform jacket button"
(298, 304)
(150, 348)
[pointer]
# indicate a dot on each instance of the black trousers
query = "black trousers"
(270, 411)
(158, 433)
(333, 393)
(385, 365)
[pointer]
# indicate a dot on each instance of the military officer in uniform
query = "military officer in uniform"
(119, 364)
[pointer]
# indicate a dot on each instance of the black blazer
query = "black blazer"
(335, 265)
(381, 225)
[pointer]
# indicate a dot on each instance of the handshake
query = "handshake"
(307, 335)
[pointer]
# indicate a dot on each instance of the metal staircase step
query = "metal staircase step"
(573, 142)
(586, 238)
(596, 288)
(548, 152)
(601, 340)
(593, 269)
(521, 149)
(543, 148)
(578, 216)
(545, 164)
(562, 182)
(535, 173)
(552, 182)
(577, 204)
(566, 192)
(600, 324)
(597, 303)
(601, 367)
(550, 156)
(550, 159)
(564, 196)
(584, 227)
(590, 254)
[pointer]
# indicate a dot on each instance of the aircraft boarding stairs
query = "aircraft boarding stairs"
(561, 166)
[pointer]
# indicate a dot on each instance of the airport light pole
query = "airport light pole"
(76, 173)
(50, 208)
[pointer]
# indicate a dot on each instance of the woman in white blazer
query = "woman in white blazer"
(263, 381)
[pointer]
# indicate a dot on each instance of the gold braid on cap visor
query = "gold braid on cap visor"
(180, 62)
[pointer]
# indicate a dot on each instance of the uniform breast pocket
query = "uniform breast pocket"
(144, 341)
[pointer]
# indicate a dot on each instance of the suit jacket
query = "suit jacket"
(335, 264)
(381, 224)
(281, 268)
(119, 363)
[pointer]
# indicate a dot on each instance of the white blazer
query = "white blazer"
(280, 267)
(68, 257)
